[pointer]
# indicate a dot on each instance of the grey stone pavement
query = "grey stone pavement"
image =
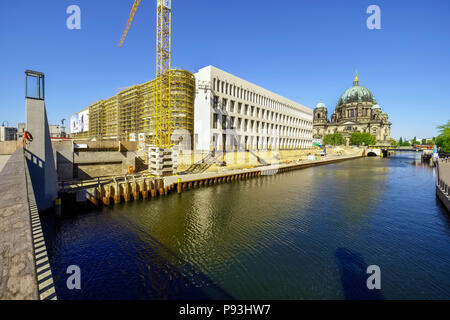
(17, 266)
(3, 160)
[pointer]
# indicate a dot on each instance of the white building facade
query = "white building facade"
(233, 114)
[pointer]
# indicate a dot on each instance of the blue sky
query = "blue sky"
(306, 50)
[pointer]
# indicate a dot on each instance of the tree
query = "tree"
(424, 141)
(400, 142)
(443, 139)
(394, 142)
(415, 141)
(359, 138)
(335, 139)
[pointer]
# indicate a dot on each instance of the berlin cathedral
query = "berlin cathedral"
(356, 111)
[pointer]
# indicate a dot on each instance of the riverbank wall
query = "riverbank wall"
(25, 272)
(136, 187)
(443, 182)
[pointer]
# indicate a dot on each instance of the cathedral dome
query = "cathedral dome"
(375, 106)
(321, 105)
(356, 93)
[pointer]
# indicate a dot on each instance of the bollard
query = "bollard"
(179, 187)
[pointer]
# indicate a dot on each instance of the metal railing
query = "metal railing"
(79, 184)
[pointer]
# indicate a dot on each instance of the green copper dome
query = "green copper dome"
(356, 93)
(375, 106)
(321, 105)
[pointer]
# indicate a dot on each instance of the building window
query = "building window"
(224, 104)
(239, 108)
(232, 106)
(215, 102)
(224, 122)
(215, 118)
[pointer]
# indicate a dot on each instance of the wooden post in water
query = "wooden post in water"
(116, 193)
(144, 189)
(161, 187)
(126, 192)
(153, 188)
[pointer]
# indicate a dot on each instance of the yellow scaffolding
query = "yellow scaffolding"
(134, 111)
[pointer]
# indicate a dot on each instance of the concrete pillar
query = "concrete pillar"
(39, 152)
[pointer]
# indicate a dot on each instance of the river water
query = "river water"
(306, 234)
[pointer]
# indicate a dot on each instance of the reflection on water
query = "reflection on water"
(305, 234)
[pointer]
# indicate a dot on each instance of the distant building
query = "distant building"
(356, 111)
(21, 127)
(57, 131)
(8, 133)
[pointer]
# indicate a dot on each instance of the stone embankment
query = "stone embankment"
(443, 181)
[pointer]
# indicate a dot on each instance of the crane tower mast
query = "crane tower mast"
(163, 132)
(163, 77)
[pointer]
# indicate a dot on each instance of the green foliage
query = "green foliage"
(335, 139)
(424, 141)
(403, 143)
(406, 143)
(359, 138)
(394, 142)
(443, 139)
(415, 141)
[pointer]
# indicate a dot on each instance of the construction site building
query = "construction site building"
(130, 115)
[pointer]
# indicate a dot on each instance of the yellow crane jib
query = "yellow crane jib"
(130, 20)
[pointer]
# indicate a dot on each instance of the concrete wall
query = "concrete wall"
(83, 164)
(8, 147)
(63, 155)
(17, 266)
(103, 163)
(443, 183)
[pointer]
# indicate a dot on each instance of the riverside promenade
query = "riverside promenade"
(199, 179)
(24, 267)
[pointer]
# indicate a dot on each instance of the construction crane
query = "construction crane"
(163, 127)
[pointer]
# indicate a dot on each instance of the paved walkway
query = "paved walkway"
(3, 160)
(17, 266)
